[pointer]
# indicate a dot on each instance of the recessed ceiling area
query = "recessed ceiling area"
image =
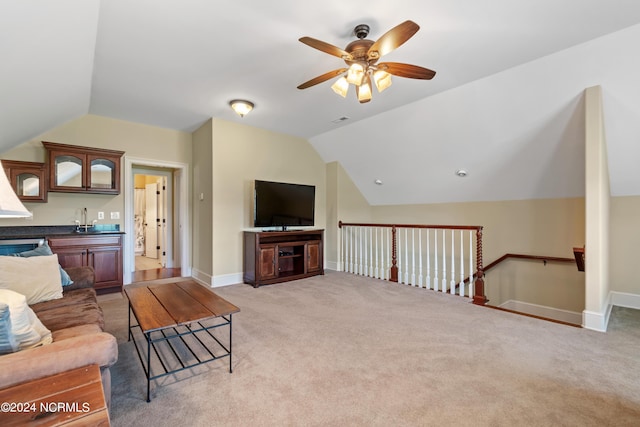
(506, 101)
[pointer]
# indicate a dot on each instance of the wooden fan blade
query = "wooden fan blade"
(322, 78)
(406, 70)
(392, 39)
(326, 48)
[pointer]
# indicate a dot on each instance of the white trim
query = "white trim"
(332, 265)
(226, 280)
(181, 191)
(543, 311)
(597, 321)
(623, 299)
(200, 277)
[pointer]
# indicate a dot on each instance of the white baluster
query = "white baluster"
(453, 266)
(428, 261)
(371, 252)
(406, 258)
(413, 257)
(471, 281)
(444, 262)
(420, 257)
(462, 263)
(436, 283)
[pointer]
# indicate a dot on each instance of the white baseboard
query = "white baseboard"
(332, 265)
(226, 280)
(623, 299)
(543, 311)
(201, 277)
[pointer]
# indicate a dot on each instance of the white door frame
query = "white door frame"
(181, 197)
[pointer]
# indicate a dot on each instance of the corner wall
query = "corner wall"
(597, 307)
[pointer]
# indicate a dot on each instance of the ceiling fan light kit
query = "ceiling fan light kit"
(361, 57)
(241, 106)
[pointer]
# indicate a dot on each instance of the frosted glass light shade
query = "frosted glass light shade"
(341, 87)
(364, 92)
(10, 205)
(382, 80)
(241, 107)
(355, 74)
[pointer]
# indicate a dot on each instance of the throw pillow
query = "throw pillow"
(26, 329)
(37, 278)
(45, 250)
(8, 342)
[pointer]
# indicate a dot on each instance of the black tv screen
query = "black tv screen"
(278, 204)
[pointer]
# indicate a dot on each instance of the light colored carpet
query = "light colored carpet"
(340, 350)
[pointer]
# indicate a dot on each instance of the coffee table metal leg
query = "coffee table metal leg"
(230, 343)
(148, 336)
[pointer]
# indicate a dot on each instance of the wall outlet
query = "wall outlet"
(100, 215)
(115, 215)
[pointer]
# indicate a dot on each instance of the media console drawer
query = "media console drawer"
(279, 256)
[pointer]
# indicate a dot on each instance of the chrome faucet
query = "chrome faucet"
(85, 219)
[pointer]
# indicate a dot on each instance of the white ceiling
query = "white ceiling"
(506, 103)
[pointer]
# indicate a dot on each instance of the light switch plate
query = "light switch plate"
(115, 215)
(100, 215)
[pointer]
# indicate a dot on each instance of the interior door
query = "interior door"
(151, 221)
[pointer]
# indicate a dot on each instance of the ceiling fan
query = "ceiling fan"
(361, 57)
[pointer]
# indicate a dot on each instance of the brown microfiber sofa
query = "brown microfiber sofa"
(77, 327)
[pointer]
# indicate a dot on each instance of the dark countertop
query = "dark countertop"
(37, 231)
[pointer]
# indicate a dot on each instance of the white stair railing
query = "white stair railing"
(438, 257)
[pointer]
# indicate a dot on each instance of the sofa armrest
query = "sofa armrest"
(98, 348)
(83, 277)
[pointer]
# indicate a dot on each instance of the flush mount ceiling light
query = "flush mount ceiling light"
(461, 173)
(241, 107)
(378, 182)
(361, 57)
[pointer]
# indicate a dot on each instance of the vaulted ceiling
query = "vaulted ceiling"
(506, 103)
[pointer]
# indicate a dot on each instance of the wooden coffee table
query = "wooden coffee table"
(177, 321)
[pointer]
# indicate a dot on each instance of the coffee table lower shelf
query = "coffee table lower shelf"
(187, 339)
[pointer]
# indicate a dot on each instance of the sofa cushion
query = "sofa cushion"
(45, 250)
(37, 278)
(57, 318)
(26, 329)
(70, 299)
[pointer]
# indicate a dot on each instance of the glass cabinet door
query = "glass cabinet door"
(28, 184)
(28, 179)
(102, 174)
(68, 171)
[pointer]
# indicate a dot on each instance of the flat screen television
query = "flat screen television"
(279, 204)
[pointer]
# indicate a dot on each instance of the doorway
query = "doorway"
(156, 221)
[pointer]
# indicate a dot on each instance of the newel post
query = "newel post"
(478, 293)
(394, 260)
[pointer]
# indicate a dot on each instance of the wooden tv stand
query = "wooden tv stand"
(279, 256)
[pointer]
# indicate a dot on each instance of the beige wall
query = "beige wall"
(240, 155)
(625, 237)
(134, 139)
(202, 209)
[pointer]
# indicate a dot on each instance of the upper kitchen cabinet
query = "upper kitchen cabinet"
(76, 169)
(28, 179)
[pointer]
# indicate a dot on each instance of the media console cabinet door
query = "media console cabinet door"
(267, 262)
(314, 257)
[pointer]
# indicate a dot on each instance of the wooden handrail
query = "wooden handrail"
(445, 227)
(529, 257)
